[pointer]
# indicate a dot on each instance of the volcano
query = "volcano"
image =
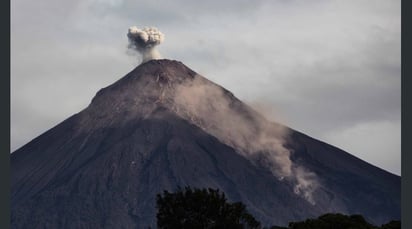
(163, 126)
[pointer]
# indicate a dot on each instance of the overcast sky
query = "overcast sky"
(330, 69)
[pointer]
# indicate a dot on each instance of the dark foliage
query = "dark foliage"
(338, 221)
(394, 224)
(201, 208)
(208, 208)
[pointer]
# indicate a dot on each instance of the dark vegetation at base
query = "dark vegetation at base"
(338, 221)
(201, 208)
(208, 208)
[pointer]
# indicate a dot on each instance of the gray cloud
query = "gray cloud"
(325, 66)
(385, 152)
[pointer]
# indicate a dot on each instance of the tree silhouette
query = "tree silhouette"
(201, 208)
(208, 208)
(340, 221)
(394, 224)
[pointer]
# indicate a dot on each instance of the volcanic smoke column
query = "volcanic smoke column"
(145, 41)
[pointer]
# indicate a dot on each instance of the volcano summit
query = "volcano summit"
(162, 126)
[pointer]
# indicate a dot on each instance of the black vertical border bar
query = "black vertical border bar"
(5, 116)
(406, 116)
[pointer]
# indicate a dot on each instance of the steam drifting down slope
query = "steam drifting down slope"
(163, 126)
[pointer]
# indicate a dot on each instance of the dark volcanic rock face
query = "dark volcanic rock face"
(102, 167)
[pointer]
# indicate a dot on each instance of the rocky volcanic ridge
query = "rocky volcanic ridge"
(163, 126)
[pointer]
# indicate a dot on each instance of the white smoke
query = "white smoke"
(144, 41)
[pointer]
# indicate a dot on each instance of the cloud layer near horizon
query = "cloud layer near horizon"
(330, 69)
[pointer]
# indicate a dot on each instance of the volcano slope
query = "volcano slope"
(162, 126)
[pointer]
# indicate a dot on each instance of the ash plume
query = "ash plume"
(211, 108)
(144, 41)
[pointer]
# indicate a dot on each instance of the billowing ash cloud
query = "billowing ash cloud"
(212, 109)
(145, 41)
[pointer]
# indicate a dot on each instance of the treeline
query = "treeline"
(338, 221)
(208, 208)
